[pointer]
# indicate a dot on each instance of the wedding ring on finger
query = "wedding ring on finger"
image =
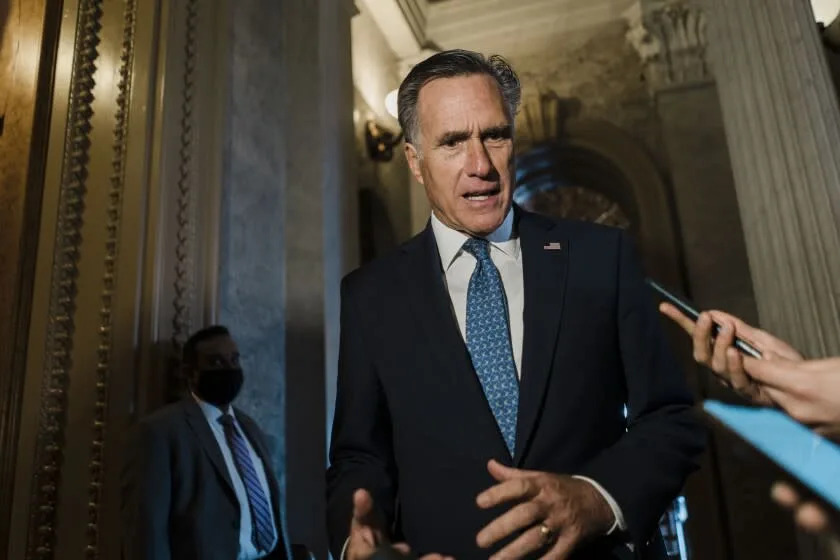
(548, 534)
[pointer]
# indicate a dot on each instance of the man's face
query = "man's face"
(219, 352)
(464, 152)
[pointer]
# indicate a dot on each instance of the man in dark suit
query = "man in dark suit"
(198, 482)
(485, 366)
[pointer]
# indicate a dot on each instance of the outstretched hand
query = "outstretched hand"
(367, 532)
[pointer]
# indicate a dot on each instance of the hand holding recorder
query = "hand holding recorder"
(723, 343)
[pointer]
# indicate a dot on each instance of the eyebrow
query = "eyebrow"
(503, 130)
(455, 136)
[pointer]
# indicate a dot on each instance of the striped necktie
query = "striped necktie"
(262, 532)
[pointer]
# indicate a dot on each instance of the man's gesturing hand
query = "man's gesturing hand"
(367, 533)
(552, 511)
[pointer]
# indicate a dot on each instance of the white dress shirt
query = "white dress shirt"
(247, 550)
(458, 266)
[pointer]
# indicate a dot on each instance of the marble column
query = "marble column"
(289, 231)
(670, 37)
(783, 128)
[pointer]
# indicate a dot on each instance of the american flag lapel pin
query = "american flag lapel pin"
(553, 246)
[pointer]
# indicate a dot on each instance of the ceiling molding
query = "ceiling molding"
(402, 22)
(504, 26)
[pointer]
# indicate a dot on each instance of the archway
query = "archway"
(596, 172)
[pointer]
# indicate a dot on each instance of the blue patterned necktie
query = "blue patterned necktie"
(488, 340)
(262, 533)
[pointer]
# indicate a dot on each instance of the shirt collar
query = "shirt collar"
(211, 412)
(450, 241)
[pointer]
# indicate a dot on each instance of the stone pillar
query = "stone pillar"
(289, 231)
(670, 37)
(341, 189)
(252, 268)
(783, 127)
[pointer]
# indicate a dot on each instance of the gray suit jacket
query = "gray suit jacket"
(178, 501)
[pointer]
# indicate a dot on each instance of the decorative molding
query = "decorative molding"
(670, 37)
(60, 326)
(398, 26)
(184, 284)
(109, 282)
(414, 12)
(520, 28)
(544, 117)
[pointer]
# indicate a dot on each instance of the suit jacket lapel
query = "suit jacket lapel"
(198, 423)
(431, 305)
(545, 257)
(432, 308)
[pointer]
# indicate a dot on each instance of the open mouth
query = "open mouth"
(484, 194)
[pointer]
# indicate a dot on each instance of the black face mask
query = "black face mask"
(219, 386)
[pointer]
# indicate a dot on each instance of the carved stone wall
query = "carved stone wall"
(26, 27)
(108, 287)
(670, 37)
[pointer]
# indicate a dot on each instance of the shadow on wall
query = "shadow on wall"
(376, 232)
(832, 56)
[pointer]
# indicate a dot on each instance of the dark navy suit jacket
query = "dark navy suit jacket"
(412, 424)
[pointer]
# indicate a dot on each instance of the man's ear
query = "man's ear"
(412, 156)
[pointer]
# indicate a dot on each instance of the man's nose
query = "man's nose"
(478, 162)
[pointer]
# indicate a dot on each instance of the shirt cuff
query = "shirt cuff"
(619, 523)
(344, 548)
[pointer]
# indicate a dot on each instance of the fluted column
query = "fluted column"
(671, 40)
(670, 37)
(783, 129)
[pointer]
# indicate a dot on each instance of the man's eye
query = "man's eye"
(496, 136)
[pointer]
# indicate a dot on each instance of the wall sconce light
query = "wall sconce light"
(391, 103)
(380, 141)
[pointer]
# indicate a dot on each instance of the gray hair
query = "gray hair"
(449, 64)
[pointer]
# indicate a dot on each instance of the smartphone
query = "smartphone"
(689, 311)
(810, 460)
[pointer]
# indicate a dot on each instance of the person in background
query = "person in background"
(198, 482)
